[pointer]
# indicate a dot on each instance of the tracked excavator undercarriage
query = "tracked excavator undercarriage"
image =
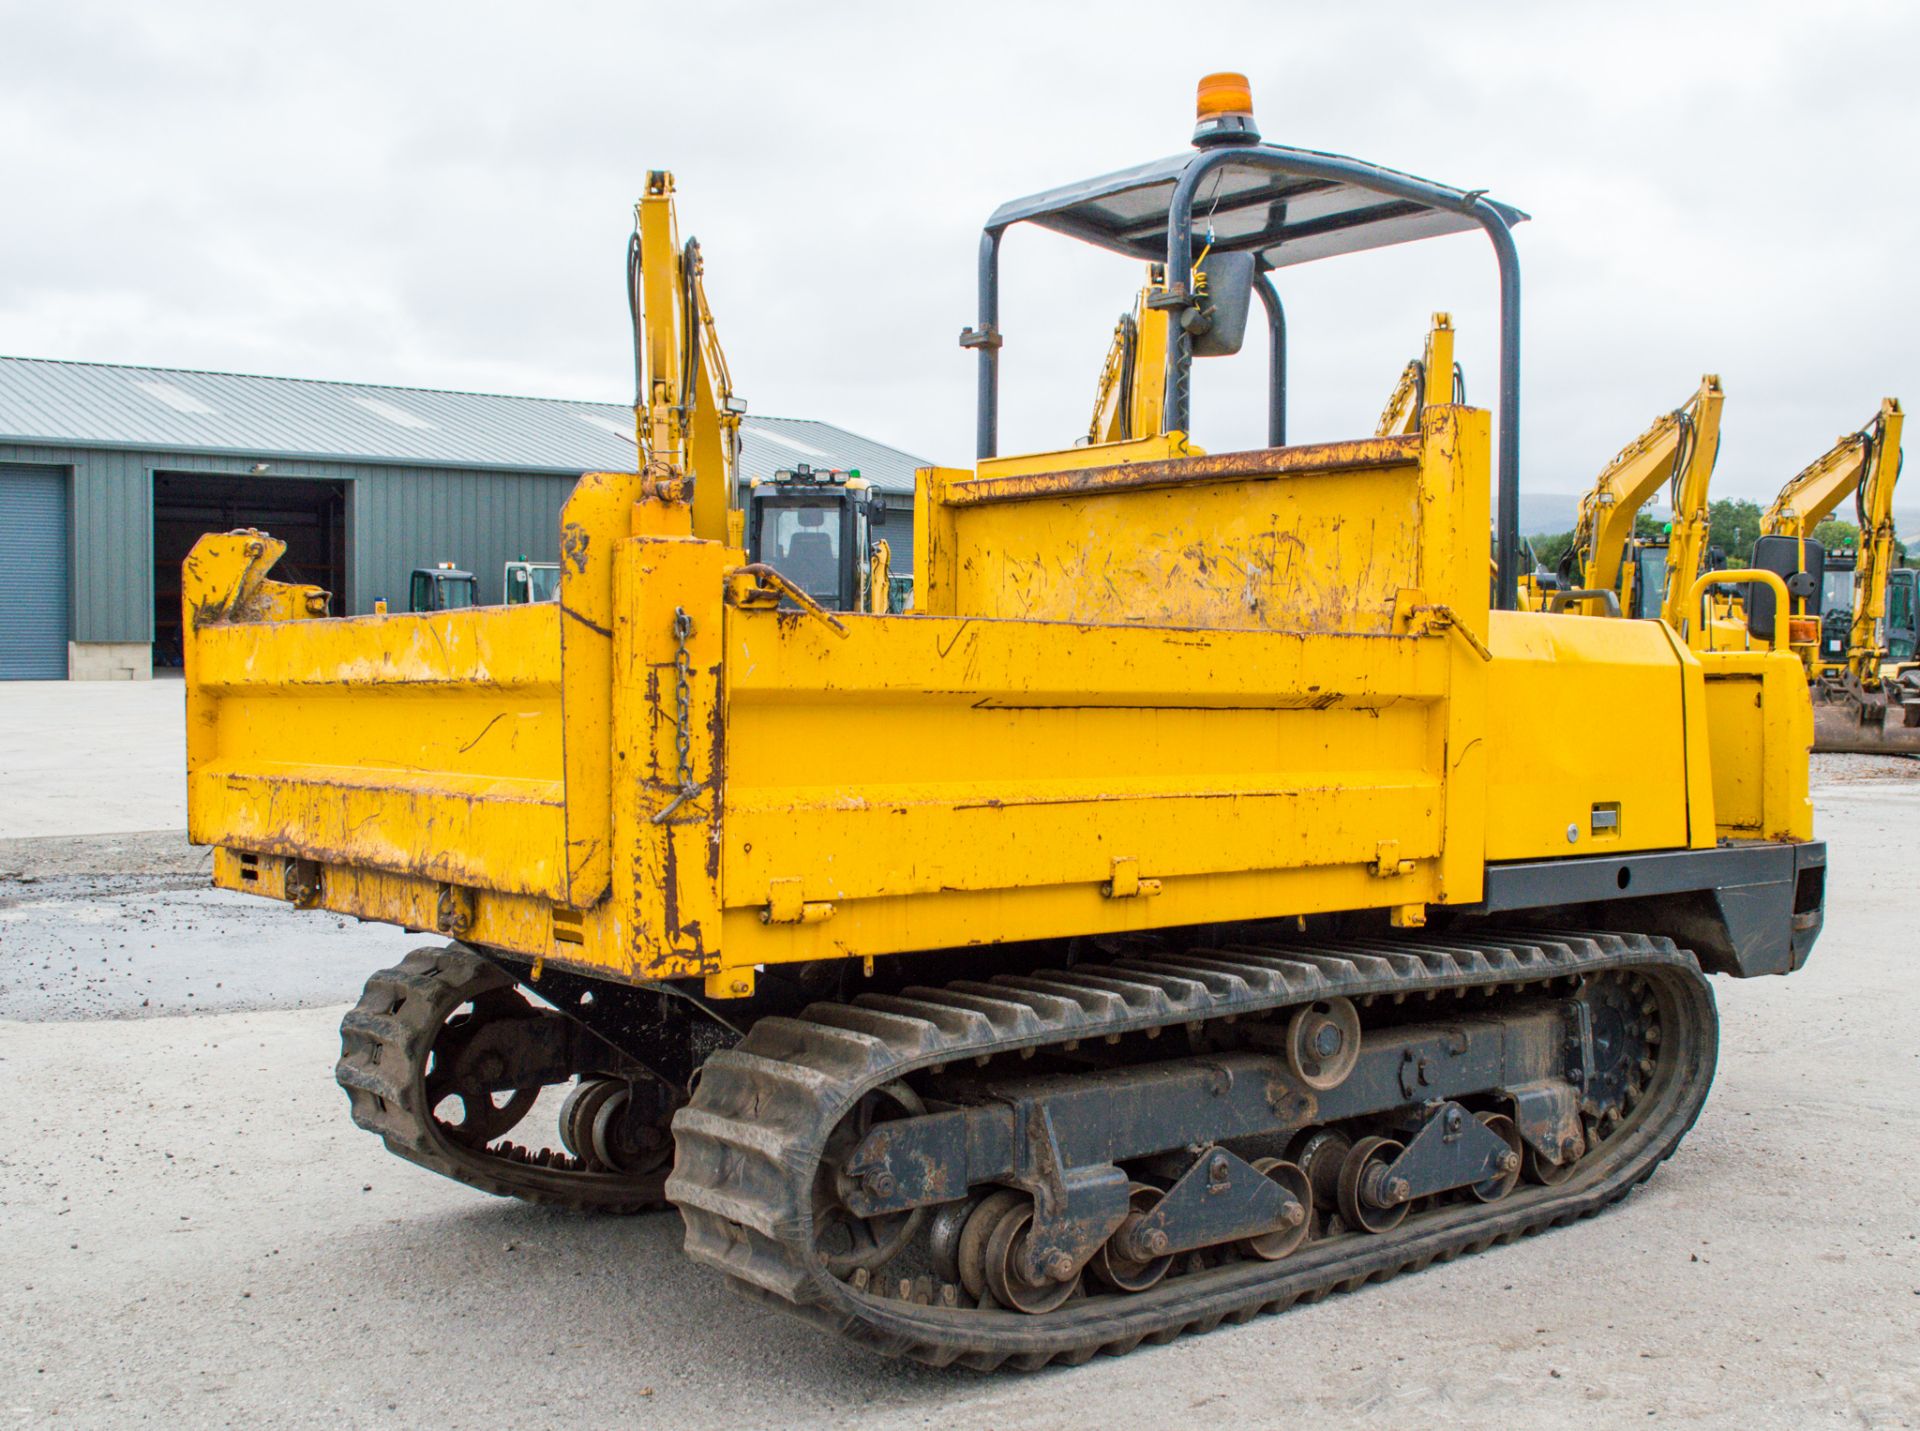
(1077, 1158)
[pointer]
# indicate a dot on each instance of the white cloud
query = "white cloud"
(438, 194)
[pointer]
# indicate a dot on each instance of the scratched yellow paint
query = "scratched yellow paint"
(1260, 693)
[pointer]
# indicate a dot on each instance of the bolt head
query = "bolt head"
(1157, 1242)
(1059, 1266)
(1509, 1160)
(1294, 1215)
(881, 1184)
(1219, 1168)
(1399, 1190)
(1328, 1041)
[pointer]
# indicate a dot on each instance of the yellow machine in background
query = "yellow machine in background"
(1860, 706)
(1207, 897)
(1133, 379)
(1679, 450)
(1435, 367)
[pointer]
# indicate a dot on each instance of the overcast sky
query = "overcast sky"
(439, 195)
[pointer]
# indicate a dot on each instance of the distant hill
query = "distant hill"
(1545, 514)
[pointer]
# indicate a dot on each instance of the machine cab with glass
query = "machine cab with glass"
(524, 582)
(441, 588)
(814, 526)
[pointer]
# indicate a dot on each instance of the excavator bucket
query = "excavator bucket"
(1883, 723)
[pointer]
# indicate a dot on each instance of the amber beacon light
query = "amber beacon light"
(1223, 109)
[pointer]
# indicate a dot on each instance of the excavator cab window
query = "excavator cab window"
(1649, 578)
(813, 536)
(805, 541)
(1836, 586)
(1903, 585)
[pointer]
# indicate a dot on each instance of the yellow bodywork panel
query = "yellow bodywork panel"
(1558, 691)
(922, 759)
(434, 746)
(1760, 726)
(1172, 689)
(1305, 538)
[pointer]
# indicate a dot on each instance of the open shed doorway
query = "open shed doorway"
(309, 516)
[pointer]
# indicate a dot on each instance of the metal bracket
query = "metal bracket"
(1547, 1115)
(1126, 882)
(1221, 1198)
(1074, 1209)
(453, 910)
(1387, 863)
(302, 883)
(1452, 1150)
(786, 906)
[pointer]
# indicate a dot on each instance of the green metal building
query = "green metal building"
(109, 474)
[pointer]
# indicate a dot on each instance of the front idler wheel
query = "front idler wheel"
(844, 1241)
(460, 1073)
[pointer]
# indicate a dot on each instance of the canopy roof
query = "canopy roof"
(1287, 205)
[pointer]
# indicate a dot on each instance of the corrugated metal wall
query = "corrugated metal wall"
(397, 518)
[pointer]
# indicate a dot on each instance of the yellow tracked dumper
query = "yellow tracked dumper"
(1215, 893)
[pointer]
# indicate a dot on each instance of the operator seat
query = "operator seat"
(808, 562)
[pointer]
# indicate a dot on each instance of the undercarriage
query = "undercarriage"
(1062, 1161)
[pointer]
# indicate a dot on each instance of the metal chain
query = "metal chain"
(683, 715)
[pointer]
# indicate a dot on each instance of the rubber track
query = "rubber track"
(747, 1144)
(384, 1043)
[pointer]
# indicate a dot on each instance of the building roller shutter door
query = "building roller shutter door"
(34, 582)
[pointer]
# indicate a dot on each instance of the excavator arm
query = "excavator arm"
(1418, 381)
(686, 415)
(1812, 494)
(1865, 646)
(1133, 381)
(1679, 448)
(1692, 518)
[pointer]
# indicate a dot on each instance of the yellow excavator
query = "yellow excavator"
(1863, 702)
(1418, 387)
(1210, 896)
(1133, 378)
(1607, 571)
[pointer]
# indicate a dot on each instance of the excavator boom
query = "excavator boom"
(686, 415)
(1133, 380)
(1433, 377)
(1679, 448)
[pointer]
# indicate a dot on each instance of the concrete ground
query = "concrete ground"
(91, 757)
(193, 1233)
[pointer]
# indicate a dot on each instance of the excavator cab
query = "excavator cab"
(1840, 569)
(815, 528)
(442, 588)
(528, 581)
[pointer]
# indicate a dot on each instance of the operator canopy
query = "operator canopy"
(1285, 205)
